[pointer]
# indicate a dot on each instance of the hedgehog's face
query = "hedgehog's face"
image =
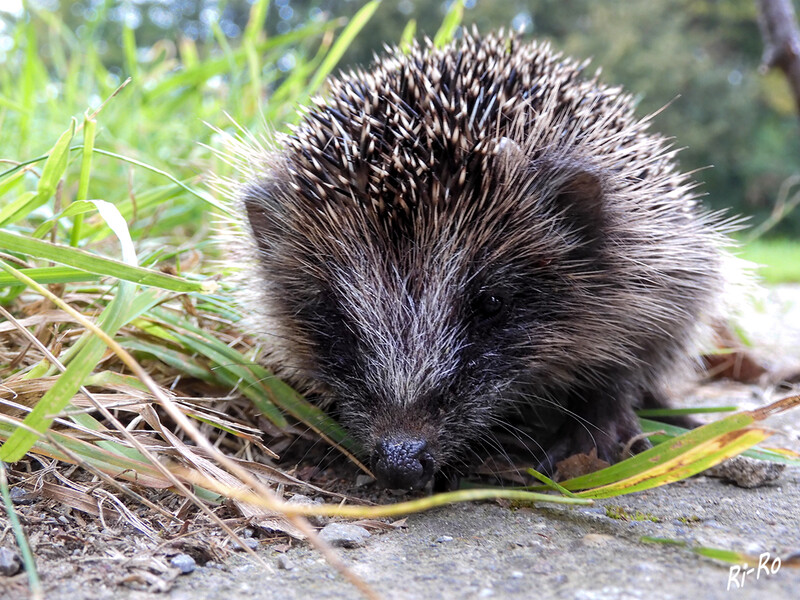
(424, 334)
(420, 363)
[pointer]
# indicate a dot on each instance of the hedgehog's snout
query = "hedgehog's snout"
(402, 462)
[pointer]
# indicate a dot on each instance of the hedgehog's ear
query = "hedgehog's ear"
(259, 205)
(580, 195)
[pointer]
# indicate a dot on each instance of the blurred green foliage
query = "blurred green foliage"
(151, 133)
(695, 59)
(778, 260)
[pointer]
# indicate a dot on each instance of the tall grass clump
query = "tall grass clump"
(111, 300)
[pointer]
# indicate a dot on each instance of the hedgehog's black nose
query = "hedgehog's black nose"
(402, 463)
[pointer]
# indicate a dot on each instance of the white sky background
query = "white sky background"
(11, 6)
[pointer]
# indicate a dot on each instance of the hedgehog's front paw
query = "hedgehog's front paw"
(608, 434)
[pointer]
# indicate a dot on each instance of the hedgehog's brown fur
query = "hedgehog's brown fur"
(460, 230)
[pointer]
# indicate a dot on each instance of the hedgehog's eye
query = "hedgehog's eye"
(488, 305)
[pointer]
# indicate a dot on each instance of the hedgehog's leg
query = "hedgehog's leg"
(598, 419)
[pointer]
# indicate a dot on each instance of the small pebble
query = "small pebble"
(442, 539)
(10, 564)
(747, 472)
(344, 535)
(516, 575)
(300, 499)
(363, 479)
(594, 510)
(284, 562)
(251, 543)
(183, 562)
(754, 548)
(20, 496)
(646, 568)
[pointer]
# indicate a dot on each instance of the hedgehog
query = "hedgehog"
(464, 234)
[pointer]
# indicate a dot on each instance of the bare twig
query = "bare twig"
(778, 24)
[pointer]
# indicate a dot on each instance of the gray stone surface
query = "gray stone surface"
(551, 552)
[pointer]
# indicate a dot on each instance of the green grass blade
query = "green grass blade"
(174, 358)
(201, 195)
(202, 72)
(142, 302)
(253, 30)
(407, 37)
(89, 128)
(231, 366)
(672, 412)
(34, 582)
(450, 24)
(108, 462)
(81, 259)
(301, 409)
(56, 165)
(7, 182)
(65, 387)
(25, 203)
(48, 275)
(77, 208)
(722, 555)
(257, 383)
(129, 51)
(344, 40)
(255, 22)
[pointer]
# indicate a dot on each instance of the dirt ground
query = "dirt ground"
(486, 550)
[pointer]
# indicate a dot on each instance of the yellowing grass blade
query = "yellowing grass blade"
(682, 456)
(662, 432)
(693, 460)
